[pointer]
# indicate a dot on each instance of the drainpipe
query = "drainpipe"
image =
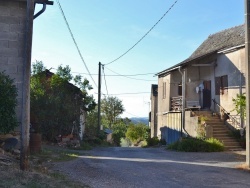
(183, 75)
(44, 7)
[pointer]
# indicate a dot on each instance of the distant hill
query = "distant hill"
(139, 120)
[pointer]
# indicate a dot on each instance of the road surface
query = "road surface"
(155, 167)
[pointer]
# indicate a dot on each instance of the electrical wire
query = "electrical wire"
(105, 80)
(128, 93)
(117, 74)
(128, 76)
(143, 35)
(73, 38)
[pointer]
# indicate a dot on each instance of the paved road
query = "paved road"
(156, 167)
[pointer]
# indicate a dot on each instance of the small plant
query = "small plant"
(197, 145)
(201, 131)
(8, 103)
(153, 141)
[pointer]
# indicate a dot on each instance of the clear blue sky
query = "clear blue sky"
(104, 30)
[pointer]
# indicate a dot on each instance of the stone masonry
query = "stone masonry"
(12, 37)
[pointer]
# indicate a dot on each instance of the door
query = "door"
(207, 94)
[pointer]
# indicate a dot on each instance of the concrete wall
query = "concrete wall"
(163, 103)
(12, 27)
(233, 65)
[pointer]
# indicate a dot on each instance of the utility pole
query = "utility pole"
(247, 58)
(25, 126)
(99, 96)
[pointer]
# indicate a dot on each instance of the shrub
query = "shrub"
(197, 145)
(153, 141)
(8, 103)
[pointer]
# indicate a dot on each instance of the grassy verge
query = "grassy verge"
(39, 174)
(197, 145)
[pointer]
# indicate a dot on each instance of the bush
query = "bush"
(197, 145)
(8, 103)
(153, 141)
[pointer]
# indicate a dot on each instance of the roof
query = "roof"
(154, 89)
(225, 39)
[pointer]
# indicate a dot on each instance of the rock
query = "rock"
(16, 152)
(10, 143)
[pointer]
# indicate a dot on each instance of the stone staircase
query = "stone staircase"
(221, 131)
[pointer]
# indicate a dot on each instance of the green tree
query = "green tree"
(240, 104)
(111, 108)
(8, 102)
(56, 103)
(137, 133)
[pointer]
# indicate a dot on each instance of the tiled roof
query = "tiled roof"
(225, 39)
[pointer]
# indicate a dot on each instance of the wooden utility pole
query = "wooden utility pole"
(247, 58)
(25, 126)
(99, 97)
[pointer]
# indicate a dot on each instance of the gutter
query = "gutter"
(44, 3)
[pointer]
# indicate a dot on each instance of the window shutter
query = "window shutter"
(217, 85)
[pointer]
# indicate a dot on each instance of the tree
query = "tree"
(8, 102)
(137, 133)
(56, 103)
(111, 108)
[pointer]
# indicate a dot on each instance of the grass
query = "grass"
(39, 174)
(197, 145)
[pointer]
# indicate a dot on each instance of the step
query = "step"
(233, 148)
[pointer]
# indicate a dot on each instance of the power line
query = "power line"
(144, 34)
(117, 74)
(128, 76)
(73, 38)
(105, 79)
(136, 93)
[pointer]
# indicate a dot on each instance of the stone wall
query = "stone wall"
(12, 37)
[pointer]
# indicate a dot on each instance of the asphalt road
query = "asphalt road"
(156, 167)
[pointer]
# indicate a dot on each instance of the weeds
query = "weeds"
(197, 145)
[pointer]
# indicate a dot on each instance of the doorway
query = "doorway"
(207, 94)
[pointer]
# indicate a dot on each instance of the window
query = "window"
(164, 90)
(221, 85)
(180, 89)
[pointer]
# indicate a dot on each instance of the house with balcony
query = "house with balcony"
(204, 83)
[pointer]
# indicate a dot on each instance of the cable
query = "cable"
(132, 115)
(129, 77)
(116, 74)
(73, 38)
(144, 35)
(105, 79)
(127, 93)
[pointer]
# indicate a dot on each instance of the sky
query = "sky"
(105, 30)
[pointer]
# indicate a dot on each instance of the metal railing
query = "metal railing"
(235, 123)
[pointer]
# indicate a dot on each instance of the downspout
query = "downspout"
(44, 7)
(183, 75)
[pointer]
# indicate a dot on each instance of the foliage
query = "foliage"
(137, 133)
(91, 128)
(153, 141)
(197, 145)
(125, 142)
(8, 103)
(201, 131)
(240, 104)
(56, 103)
(119, 131)
(111, 108)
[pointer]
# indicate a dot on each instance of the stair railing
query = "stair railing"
(235, 123)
